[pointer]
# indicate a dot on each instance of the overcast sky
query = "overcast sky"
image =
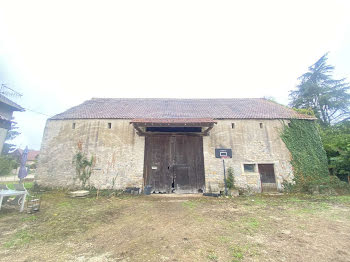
(61, 53)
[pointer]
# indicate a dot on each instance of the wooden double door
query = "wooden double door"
(174, 164)
(267, 177)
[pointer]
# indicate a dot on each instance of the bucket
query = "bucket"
(148, 190)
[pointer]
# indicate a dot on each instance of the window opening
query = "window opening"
(249, 168)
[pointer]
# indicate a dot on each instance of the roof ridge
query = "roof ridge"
(169, 98)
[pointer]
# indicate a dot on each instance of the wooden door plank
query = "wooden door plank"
(156, 163)
(189, 165)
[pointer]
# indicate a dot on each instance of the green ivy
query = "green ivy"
(309, 159)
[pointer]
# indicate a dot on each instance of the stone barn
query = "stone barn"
(172, 145)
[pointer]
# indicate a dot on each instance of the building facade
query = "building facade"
(169, 144)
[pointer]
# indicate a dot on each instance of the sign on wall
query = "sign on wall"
(223, 152)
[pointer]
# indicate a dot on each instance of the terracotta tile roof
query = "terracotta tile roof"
(32, 154)
(159, 108)
(10, 103)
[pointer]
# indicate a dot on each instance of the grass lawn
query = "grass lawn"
(179, 228)
(27, 185)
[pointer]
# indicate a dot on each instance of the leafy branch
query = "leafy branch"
(83, 167)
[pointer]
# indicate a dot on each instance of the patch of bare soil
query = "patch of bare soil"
(180, 228)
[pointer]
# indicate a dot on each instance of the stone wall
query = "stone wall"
(252, 142)
(119, 153)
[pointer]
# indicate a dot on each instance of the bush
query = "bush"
(230, 181)
(6, 165)
(83, 167)
(324, 185)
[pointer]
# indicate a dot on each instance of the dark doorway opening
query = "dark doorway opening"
(173, 129)
(267, 177)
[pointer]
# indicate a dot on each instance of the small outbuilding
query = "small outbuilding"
(172, 145)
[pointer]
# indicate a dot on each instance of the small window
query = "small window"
(261, 125)
(233, 125)
(109, 125)
(73, 126)
(289, 124)
(249, 167)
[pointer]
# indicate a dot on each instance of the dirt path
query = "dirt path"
(182, 228)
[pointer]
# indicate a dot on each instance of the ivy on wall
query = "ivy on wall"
(309, 159)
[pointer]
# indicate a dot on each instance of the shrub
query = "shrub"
(83, 167)
(6, 165)
(230, 181)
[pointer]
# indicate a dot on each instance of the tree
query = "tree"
(12, 133)
(336, 142)
(327, 97)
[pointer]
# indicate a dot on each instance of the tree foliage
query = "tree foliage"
(327, 97)
(6, 165)
(336, 142)
(11, 135)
